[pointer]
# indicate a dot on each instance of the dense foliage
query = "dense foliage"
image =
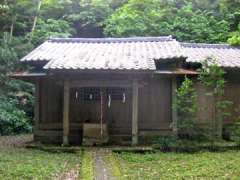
(15, 96)
(140, 18)
(24, 24)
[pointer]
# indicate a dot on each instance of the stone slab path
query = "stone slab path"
(101, 170)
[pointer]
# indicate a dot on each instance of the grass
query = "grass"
(113, 165)
(49, 162)
(87, 166)
(21, 163)
(202, 165)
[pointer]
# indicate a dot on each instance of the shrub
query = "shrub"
(165, 143)
(171, 143)
(227, 131)
(235, 132)
(185, 104)
(12, 119)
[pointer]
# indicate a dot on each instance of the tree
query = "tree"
(51, 28)
(13, 118)
(88, 16)
(235, 37)
(185, 105)
(39, 3)
(212, 77)
(157, 18)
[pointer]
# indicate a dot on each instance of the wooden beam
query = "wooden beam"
(66, 95)
(36, 105)
(59, 126)
(174, 111)
(100, 83)
(135, 112)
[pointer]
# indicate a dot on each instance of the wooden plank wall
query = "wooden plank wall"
(205, 103)
(232, 93)
(119, 116)
(51, 102)
(155, 105)
(50, 120)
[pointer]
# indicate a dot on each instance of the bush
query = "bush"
(165, 143)
(184, 145)
(171, 143)
(12, 119)
(227, 132)
(235, 133)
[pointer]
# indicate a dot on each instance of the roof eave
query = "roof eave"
(117, 71)
(28, 76)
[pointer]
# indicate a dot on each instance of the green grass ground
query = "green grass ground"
(87, 166)
(202, 165)
(21, 163)
(17, 162)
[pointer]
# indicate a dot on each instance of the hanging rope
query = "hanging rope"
(124, 98)
(101, 118)
(109, 100)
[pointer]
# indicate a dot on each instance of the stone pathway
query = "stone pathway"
(101, 171)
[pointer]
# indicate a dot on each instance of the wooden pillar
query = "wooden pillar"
(174, 111)
(36, 105)
(135, 112)
(66, 113)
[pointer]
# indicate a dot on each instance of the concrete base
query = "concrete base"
(93, 135)
(65, 141)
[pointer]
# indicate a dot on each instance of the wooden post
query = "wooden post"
(66, 113)
(36, 105)
(135, 112)
(174, 111)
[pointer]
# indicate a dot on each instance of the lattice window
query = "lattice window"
(93, 94)
(116, 93)
(88, 94)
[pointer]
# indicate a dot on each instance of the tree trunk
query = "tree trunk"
(35, 19)
(13, 19)
(12, 27)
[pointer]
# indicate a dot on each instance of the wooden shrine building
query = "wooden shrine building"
(118, 90)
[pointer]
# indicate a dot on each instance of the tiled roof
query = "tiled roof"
(225, 55)
(136, 53)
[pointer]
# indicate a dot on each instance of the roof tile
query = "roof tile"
(136, 53)
(225, 55)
